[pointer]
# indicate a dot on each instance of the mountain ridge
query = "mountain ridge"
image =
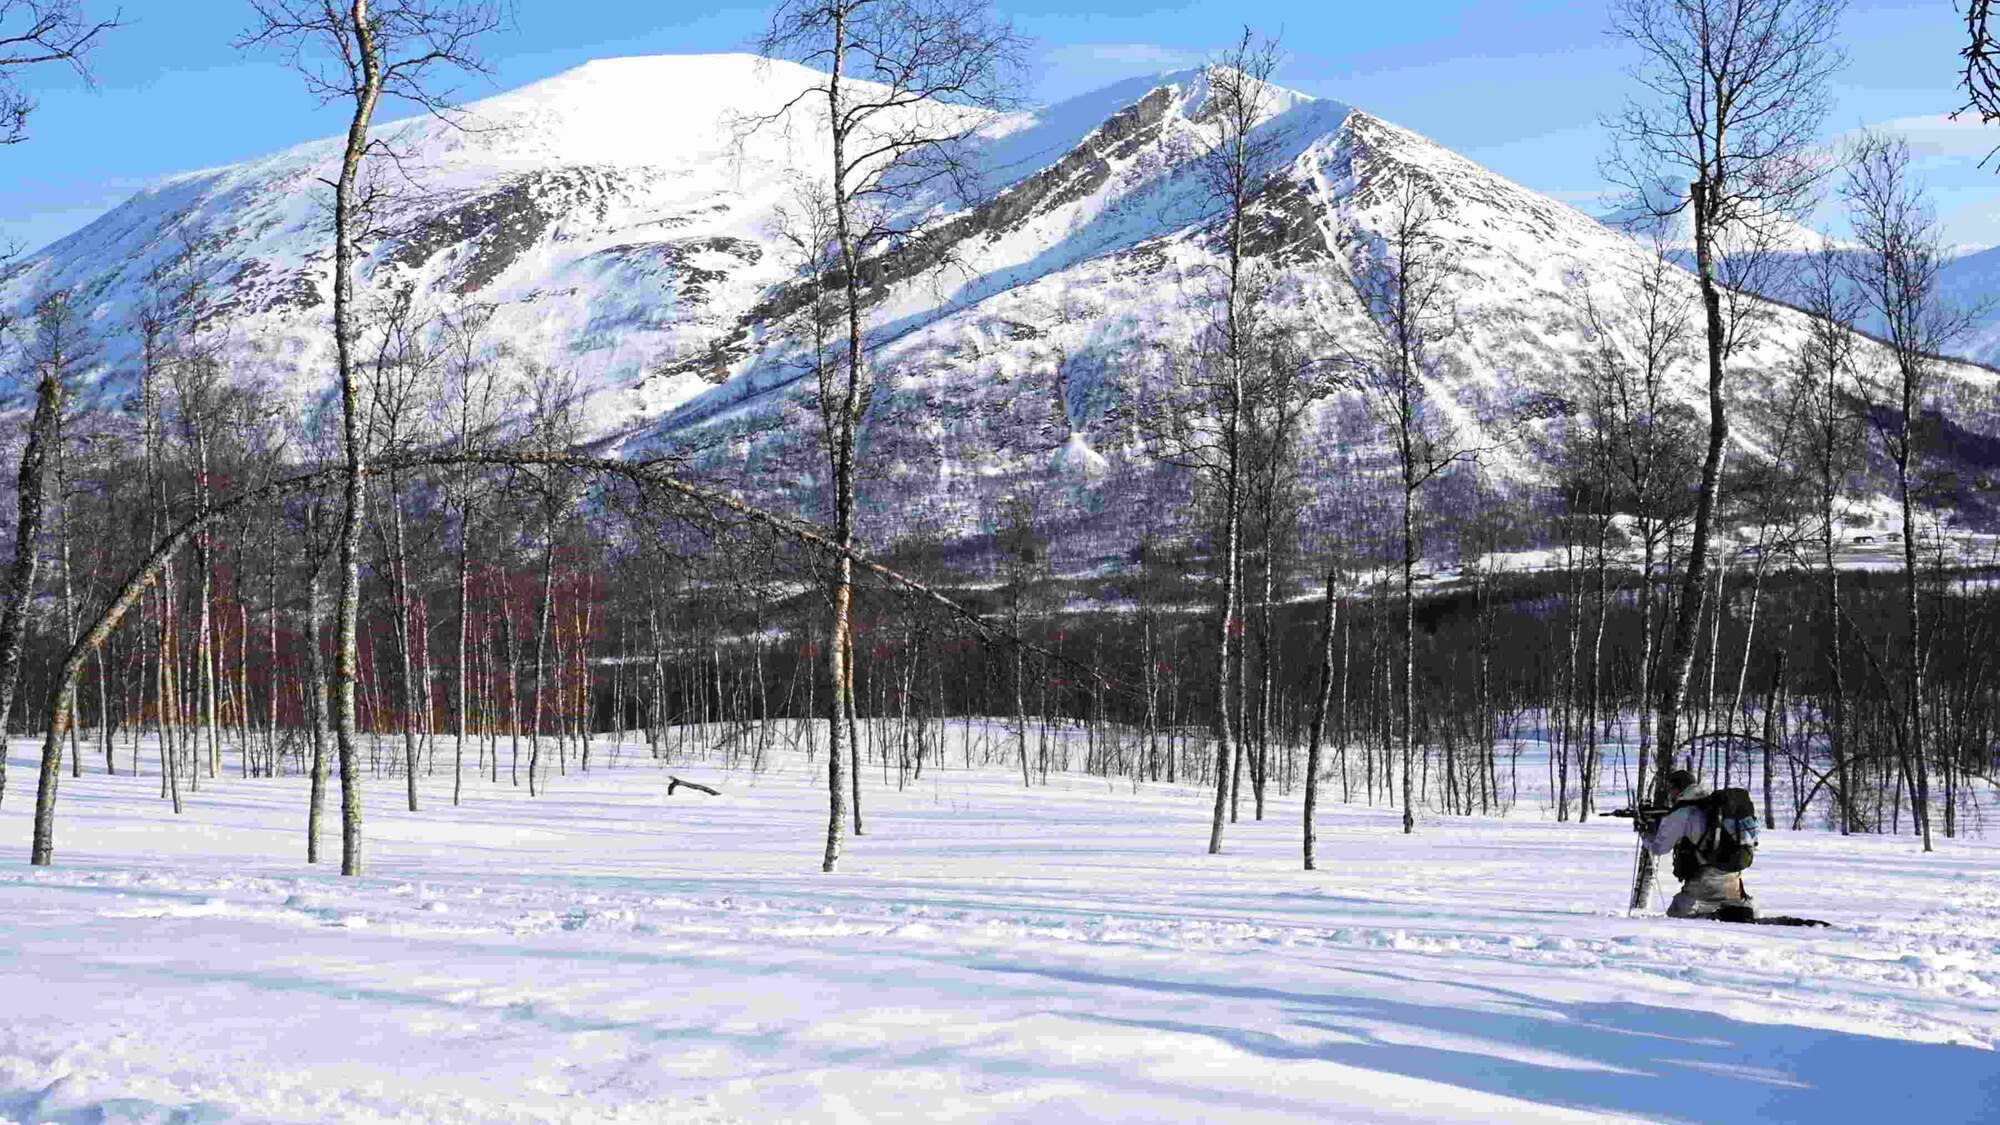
(650, 264)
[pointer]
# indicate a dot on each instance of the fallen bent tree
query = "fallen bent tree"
(650, 474)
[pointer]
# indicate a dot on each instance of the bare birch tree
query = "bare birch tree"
(402, 381)
(31, 495)
(1896, 273)
(1734, 93)
(1201, 417)
(1406, 282)
(58, 350)
(470, 408)
(1980, 76)
(903, 86)
(353, 52)
(1824, 392)
(553, 426)
(33, 32)
(1638, 435)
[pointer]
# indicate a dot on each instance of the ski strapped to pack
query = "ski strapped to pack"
(1769, 920)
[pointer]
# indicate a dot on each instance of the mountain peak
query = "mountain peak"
(652, 262)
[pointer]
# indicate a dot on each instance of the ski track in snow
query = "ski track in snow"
(605, 952)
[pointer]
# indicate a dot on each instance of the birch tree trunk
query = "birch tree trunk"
(347, 610)
(315, 692)
(21, 578)
(541, 658)
(1327, 623)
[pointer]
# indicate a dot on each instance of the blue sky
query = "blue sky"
(1516, 86)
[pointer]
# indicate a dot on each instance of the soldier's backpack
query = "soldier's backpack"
(1730, 843)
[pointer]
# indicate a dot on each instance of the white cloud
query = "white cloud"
(1122, 55)
(1939, 135)
(1975, 224)
(1077, 68)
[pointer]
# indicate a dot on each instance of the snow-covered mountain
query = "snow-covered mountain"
(1968, 282)
(626, 225)
(613, 223)
(1971, 281)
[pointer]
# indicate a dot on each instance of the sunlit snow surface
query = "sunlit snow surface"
(987, 953)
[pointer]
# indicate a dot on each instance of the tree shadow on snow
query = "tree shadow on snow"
(1626, 1058)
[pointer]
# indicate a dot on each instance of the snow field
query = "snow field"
(986, 953)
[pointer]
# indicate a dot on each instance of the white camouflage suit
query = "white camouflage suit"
(1710, 888)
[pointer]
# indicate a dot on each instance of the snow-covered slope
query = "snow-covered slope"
(625, 223)
(1968, 282)
(616, 215)
(1036, 342)
(1972, 282)
(606, 952)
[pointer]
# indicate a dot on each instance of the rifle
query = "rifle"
(1644, 817)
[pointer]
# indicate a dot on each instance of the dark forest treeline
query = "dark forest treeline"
(589, 610)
